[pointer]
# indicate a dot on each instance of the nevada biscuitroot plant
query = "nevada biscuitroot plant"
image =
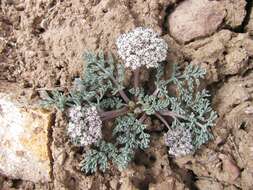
(100, 95)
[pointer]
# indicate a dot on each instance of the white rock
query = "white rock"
(24, 151)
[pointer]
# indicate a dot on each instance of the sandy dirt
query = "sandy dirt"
(41, 47)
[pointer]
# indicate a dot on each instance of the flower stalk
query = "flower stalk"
(108, 115)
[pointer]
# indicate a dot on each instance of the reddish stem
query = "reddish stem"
(124, 96)
(162, 120)
(155, 92)
(143, 118)
(172, 114)
(113, 114)
(136, 80)
(175, 115)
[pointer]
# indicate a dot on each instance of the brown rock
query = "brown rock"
(195, 18)
(239, 121)
(218, 41)
(204, 163)
(235, 12)
(230, 187)
(223, 100)
(235, 96)
(245, 145)
(208, 184)
(168, 184)
(24, 151)
(230, 169)
(2, 44)
(125, 180)
(236, 60)
(247, 179)
(224, 53)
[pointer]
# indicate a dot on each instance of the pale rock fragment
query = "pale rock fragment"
(236, 61)
(230, 170)
(208, 184)
(224, 53)
(235, 12)
(24, 140)
(195, 18)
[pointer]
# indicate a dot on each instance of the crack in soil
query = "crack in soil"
(188, 177)
(168, 10)
(49, 144)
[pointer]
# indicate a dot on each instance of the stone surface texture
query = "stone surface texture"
(24, 140)
(224, 53)
(195, 18)
(235, 12)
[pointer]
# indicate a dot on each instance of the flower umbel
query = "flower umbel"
(179, 141)
(141, 47)
(85, 125)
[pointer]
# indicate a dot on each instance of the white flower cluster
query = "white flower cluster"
(141, 47)
(85, 126)
(179, 141)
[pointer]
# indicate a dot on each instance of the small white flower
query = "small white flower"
(85, 125)
(179, 141)
(141, 47)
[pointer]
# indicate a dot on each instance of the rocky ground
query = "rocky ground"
(41, 47)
